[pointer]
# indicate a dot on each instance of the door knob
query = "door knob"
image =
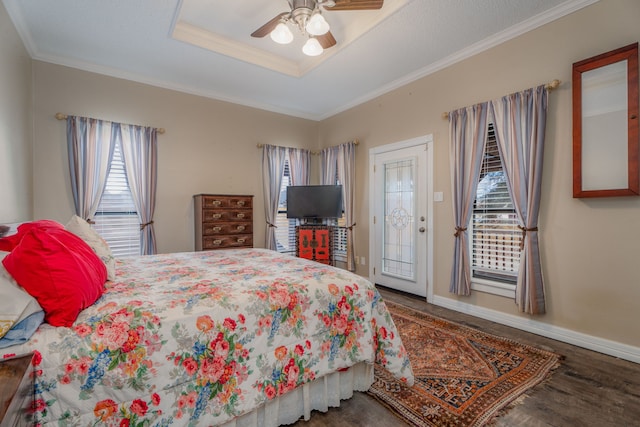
(421, 229)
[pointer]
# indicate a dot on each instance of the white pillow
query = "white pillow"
(15, 303)
(82, 229)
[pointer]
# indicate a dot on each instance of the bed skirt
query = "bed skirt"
(320, 394)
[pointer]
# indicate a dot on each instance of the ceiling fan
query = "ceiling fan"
(306, 16)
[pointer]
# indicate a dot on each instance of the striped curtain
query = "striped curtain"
(299, 165)
(273, 158)
(340, 162)
(90, 144)
(140, 156)
(467, 133)
(347, 176)
(519, 121)
(328, 165)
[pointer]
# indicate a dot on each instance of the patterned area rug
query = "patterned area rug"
(463, 377)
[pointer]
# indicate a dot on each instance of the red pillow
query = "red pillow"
(8, 243)
(59, 270)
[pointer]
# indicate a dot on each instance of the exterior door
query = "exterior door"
(401, 223)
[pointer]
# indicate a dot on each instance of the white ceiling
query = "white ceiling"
(204, 46)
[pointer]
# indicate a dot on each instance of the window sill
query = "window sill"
(496, 288)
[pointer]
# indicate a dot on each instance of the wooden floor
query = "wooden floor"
(588, 389)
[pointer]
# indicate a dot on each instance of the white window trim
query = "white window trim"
(507, 290)
(494, 287)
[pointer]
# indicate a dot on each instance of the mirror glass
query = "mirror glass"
(604, 127)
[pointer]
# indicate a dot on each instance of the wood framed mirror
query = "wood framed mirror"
(605, 125)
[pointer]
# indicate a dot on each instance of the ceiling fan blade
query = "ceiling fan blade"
(269, 26)
(356, 5)
(326, 40)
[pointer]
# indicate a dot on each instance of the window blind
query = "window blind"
(340, 240)
(116, 219)
(286, 227)
(495, 235)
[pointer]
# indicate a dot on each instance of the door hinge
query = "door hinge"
(374, 220)
(374, 271)
(374, 168)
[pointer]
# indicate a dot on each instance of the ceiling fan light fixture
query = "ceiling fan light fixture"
(282, 34)
(317, 25)
(312, 47)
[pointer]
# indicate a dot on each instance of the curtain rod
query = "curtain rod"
(355, 141)
(550, 86)
(61, 116)
(259, 145)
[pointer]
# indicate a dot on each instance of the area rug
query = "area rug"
(463, 377)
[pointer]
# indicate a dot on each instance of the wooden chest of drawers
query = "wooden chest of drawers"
(223, 221)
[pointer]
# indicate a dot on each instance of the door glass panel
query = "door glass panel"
(398, 250)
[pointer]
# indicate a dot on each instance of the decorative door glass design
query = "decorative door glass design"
(398, 250)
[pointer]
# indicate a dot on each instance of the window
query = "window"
(339, 249)
(116, 219)
(340, 241)
(286, 227)
(495, 237)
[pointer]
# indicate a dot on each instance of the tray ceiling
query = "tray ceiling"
(204, 46)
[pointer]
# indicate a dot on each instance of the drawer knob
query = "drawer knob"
(216, 229)
(216, 203)
(240, 240)
(217, 216)
(240, 202)
(240, 228)
(217, 242)
(240, 215)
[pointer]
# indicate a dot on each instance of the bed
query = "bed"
(238, 337)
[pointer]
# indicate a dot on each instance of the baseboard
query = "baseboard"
(601, 345)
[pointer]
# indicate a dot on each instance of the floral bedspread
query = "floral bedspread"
(200, 338)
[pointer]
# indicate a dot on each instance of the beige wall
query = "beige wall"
(15, 125)
(209, 146)
(590, 248)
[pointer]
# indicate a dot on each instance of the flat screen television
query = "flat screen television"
(314, 201)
